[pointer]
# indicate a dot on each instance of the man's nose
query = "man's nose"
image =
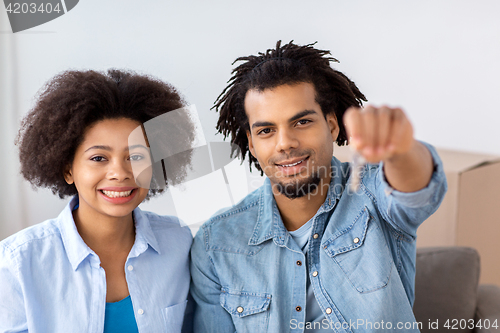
(286, 140)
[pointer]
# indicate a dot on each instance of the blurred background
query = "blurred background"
(436, 59)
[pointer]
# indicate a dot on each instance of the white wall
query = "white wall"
(436, 59)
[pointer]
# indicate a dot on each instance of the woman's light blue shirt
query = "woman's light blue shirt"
(51, 281)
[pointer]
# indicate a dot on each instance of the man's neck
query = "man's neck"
(296, 212)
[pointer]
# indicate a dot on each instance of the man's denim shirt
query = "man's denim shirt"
(249, 275)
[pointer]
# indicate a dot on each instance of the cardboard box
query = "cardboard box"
(470, 212)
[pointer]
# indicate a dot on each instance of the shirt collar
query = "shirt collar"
(269, 224)
(76, 248)
(268, 220)
(144, 235)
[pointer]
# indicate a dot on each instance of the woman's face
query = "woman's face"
(102, 168)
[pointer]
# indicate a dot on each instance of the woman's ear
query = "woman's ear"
(68, 176)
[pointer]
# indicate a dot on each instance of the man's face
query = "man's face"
(290, 137)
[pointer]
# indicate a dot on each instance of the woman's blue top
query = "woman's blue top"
(119, 317)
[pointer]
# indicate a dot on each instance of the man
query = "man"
(306, 251)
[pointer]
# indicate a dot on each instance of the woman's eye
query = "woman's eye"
(97, 158)
(136, 158)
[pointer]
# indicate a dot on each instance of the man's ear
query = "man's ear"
(250, 143)
(333, 125)
(68, 175)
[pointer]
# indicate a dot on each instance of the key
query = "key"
(357, 164)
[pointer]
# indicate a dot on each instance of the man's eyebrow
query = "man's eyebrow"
(297, 116)
(302, 114)
(262, 124)
(108, 148)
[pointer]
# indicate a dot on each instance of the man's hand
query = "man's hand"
(386, 134)
(378, 133)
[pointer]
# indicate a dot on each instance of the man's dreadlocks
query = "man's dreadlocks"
(287, 64)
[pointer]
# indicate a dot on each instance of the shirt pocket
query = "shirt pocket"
(174, 317)
(249, 311)
(362, 253)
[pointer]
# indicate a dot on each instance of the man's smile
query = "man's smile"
(292, 167)
(291, 163)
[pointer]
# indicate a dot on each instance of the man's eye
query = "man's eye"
(265, 131)
(303, 121)
(97, 158)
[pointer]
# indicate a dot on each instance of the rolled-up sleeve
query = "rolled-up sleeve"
(406, 211)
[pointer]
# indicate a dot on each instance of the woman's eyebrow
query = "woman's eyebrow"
(99, 147)
(136, 146)
(108, 148)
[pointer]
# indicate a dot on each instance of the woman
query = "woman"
(102, 264)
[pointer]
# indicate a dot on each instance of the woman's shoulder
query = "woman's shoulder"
(168, 223)
(39, 235)
(166, 220)
(167, 234)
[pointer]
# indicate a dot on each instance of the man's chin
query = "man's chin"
(297, 188)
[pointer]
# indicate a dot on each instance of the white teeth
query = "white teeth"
(114, 194)
(293, 164)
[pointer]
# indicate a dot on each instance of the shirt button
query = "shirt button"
(356, 240)
(130, 267)
(315, 273)
(140, 311)
(315, 236)
(298, 309)
(328, 310)
(299, 263)
(239, 309)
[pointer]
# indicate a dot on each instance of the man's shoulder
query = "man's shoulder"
(232, 225)
(247, 206)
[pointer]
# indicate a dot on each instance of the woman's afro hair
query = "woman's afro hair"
(74, 100)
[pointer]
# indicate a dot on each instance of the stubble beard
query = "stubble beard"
(300, 187)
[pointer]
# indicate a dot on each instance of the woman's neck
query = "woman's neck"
(105, 234)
